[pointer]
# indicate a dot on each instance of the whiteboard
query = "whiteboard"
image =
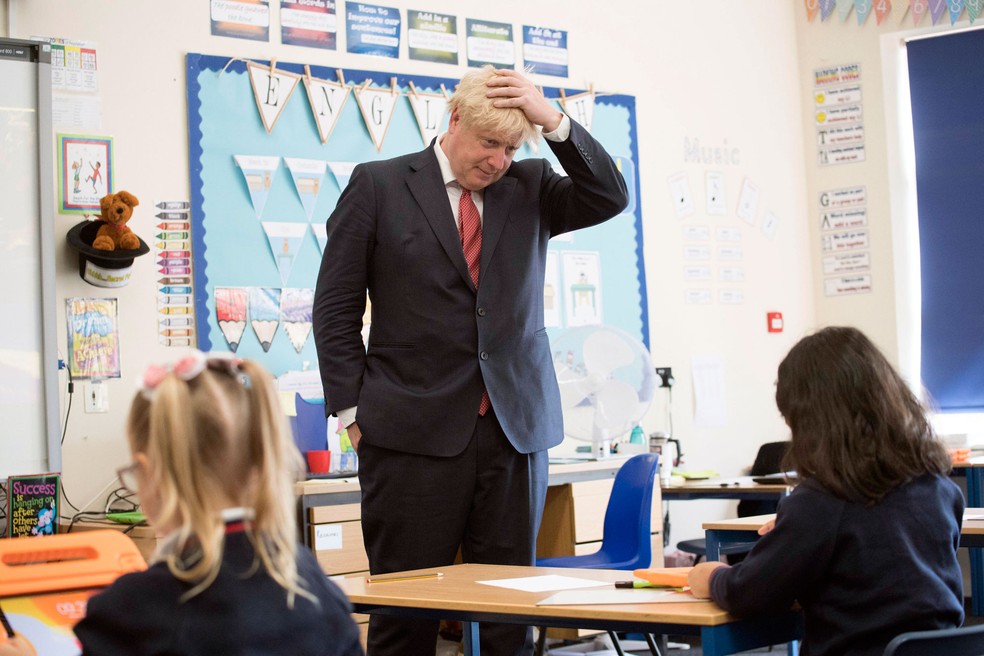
(29, 435)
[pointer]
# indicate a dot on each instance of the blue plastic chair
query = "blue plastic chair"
(310, 425)
(963, 641)
(627, 536)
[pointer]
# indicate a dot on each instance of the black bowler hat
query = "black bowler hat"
(98, 267)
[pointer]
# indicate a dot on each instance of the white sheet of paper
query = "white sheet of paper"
(616, 596)
(709, 391)
(972, 516)
(545, 583)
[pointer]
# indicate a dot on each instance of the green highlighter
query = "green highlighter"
(645, 584)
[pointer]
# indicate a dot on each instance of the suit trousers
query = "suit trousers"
(417, 511)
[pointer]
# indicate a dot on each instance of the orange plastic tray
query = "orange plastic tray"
(66, 561)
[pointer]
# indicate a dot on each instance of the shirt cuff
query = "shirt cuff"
(346, 417)
(562, 132)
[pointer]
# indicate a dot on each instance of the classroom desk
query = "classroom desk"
(745, 530)
(973, 471)
(457, 595)
(735, 487)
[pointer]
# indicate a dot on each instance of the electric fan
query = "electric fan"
(607, 382)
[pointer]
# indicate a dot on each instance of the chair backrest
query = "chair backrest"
(311, 425)
(963, 641)
(768, 460)
(627, 538)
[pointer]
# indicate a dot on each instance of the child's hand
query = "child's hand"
(16, 646)
(768, 526)
(700, 578)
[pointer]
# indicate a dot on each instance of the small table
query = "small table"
(458, 595)
(736, 487)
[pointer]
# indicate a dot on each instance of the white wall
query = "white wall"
(726, 74)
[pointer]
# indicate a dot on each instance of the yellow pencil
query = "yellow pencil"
(414, 577)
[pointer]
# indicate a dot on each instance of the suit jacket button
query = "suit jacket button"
(484, 355)
(481, 312)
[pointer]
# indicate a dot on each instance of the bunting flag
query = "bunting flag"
(429, 109)
(320, 231)
(285, 240)
(579, 107)
(296, 310)
(973, 9)
(955, 7)
(861, 9)
(826, 8)
(882, 9)
(272, 89)
(844, 8)
(307, 175)
(264, 314)
(326, 99)
(342, 172)
(259, 172)
(377, 104)
(919, 10)
(936, 9)
(231, 304)
(812, 7)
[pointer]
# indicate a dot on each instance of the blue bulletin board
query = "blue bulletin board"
(260, 201)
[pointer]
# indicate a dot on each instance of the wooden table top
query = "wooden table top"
(973, 522)
(726, 485)
(457, 590)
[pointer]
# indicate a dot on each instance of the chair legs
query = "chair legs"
(541, 643)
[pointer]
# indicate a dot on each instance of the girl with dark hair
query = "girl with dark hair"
(867, 542)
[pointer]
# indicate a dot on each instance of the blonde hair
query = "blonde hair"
(478, 111)
(221, 435)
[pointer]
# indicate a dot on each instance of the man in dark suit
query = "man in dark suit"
(457, 401)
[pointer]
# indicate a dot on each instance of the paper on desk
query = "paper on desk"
(972, 516)
(545, 583)
(616, 596)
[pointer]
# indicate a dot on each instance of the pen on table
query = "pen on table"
(414, 577)
(6, 625)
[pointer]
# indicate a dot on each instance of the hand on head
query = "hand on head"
(510, 88)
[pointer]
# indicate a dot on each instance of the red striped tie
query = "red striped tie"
(470, 229)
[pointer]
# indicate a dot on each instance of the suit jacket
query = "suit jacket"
(238, 614)
(434, 340)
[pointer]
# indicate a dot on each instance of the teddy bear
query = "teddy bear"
(115, 210)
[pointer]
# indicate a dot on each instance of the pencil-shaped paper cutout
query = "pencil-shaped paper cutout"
(231, 305)
(264, 314)
(296, 306)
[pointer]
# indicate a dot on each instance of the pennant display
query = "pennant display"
(826, 8)
(320, 231)
(919, 10)
(307, 175)
(231, 305)
(296, 310)
(429, 109)
(936, 10)
(955, 7)
(844, 8)
(326, 99)
(882, 9)
(342, 172)
(862, 8)
(377, 106)
(579, 107)
(271, 89)
(973, 9)
(285, 240)
(259, 172)
(264, 314)
(812, 7)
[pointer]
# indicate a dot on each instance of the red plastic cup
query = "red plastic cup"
(319, 462)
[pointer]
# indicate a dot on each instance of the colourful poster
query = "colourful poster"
(32, 505)
(545, 50)
(310, 23)
(241, 19)
(85, 172)
(93, 337)
(372, 30)
(489, 43)
(432, 37)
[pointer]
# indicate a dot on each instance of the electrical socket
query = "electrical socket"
(96, 397)
(665, 376)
